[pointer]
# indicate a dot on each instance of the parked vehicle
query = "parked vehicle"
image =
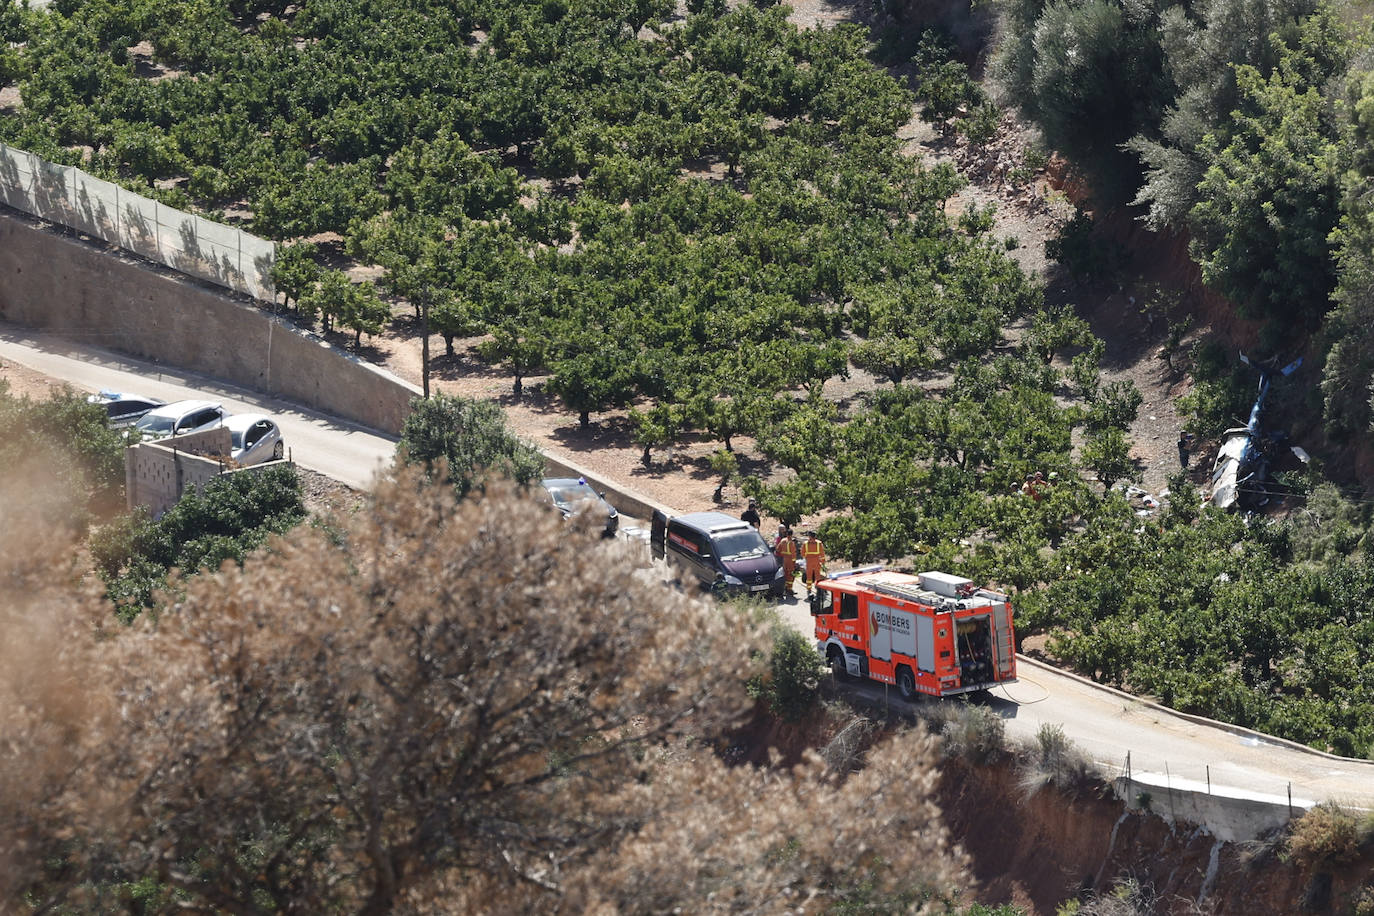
(718, 552)
(179, 418)
(124, 409)
(254, 438)
(931, 635)
(573, 496)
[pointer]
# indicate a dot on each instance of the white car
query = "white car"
(179, 418)
(255, 438)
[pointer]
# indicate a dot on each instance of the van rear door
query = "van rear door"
(658, 533)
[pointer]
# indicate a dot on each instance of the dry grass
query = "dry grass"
(844, 752)
(1052, 759)
(1329, 835)
(974, 733)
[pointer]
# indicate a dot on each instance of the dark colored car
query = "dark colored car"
(124, 409)
(573, 496)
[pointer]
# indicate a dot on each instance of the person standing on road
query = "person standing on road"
(813, 553)
(786, 549)
(751, 514)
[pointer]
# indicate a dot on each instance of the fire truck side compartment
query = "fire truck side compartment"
(925, 644)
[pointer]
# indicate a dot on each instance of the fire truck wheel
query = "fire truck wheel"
(836, 659)
(906, 684)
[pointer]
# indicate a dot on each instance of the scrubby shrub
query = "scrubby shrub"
(1127, 898)
(1326, 835)
(842, 753)
(974, 733)
(1052, 759)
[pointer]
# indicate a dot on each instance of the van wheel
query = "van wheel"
(837, 666)
(906, 684)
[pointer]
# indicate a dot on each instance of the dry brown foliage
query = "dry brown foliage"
(453, 706)
(1328, 835)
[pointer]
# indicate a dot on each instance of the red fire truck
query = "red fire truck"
(933, 634)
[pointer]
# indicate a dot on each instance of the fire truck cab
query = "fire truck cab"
(932, 635)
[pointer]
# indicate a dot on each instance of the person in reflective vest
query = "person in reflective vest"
(813, 554)
(786, 549)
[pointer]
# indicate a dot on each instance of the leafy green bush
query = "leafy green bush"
(981, 124)
(66, 440)
(941, 82)
(465, 440)
(1269, 201)
(1085, 255)
(1089, 73)
(230, 517)
(791, 684)
(1221, 391)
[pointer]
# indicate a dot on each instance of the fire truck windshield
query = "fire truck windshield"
(740, 545)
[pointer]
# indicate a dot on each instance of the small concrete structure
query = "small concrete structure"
(157, 474)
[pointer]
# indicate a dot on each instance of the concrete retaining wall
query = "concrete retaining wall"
(86, 292)
(1228, 815)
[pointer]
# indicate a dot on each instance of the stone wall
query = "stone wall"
(157, 474)
(89, 293)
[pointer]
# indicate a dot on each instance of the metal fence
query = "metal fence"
(185, 242)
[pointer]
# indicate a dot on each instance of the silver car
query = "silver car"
(179, 418)
(255, 438)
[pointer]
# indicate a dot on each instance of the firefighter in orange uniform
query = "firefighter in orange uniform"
(813, 554)
(786, 549)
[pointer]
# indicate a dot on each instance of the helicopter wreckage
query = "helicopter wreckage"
(1247, 452)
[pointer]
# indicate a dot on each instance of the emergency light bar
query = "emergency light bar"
(856, 571)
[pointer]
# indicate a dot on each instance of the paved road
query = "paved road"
(335, 447)
(1164, 746)
(1106, 724)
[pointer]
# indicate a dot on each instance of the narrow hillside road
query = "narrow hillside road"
(1166, 748)
(337, 448)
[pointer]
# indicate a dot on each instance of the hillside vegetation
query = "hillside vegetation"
(706, 218)
(417, 709)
